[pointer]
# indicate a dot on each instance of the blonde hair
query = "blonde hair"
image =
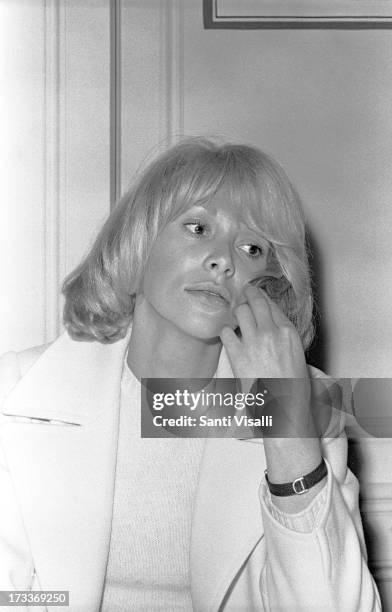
(100, 293)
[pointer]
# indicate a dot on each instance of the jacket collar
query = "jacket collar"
(61, 385)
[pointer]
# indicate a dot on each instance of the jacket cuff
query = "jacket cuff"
(304, 521)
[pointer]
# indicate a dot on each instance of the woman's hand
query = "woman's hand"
(270, 351)
(269, 346)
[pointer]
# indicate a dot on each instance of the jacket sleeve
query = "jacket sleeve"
(16, 565)
(328, 563)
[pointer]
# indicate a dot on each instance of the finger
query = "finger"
(260, 306)
(278, 316)
(229, 340)
(246, 320)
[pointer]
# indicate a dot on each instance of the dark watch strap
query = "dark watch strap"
(299, 485)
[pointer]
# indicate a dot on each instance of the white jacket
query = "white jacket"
(58, 442)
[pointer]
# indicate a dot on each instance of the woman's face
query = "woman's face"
(199, 265)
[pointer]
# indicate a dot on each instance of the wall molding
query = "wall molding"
(54, 162)
(115, 101)
(171, 70)
(170, 74)
(382, 571)
(376, 506)
(243, 15)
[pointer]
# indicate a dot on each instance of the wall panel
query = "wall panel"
(151, 79)
(56, 154)
(22, 215)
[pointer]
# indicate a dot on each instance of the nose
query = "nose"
(220, 262)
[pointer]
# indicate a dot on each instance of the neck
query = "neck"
(158, 349)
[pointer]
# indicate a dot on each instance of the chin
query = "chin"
(207, 329)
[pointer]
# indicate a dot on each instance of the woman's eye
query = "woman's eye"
(196, 228)
(252, 250)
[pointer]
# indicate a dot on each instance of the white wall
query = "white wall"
(21, 211)
(320, 101)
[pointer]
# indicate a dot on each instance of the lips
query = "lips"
(214, 291)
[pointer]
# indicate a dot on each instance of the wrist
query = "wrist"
(290, 458)
(301, 484)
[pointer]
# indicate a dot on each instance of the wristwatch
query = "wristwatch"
(299, 485)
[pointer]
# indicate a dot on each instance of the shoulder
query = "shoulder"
(14, 365)
(29, 356)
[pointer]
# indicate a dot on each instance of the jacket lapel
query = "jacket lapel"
(61, 452)
(227, 521)
(227, 517)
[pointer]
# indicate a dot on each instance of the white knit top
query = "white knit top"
(148, 567)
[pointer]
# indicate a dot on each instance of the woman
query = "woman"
(126, 523)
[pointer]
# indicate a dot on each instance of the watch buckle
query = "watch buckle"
(299, 486)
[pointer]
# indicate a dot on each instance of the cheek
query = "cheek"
(165, 271)
(245, 274)
(152, 274)
(253, 269)
(158, 264)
